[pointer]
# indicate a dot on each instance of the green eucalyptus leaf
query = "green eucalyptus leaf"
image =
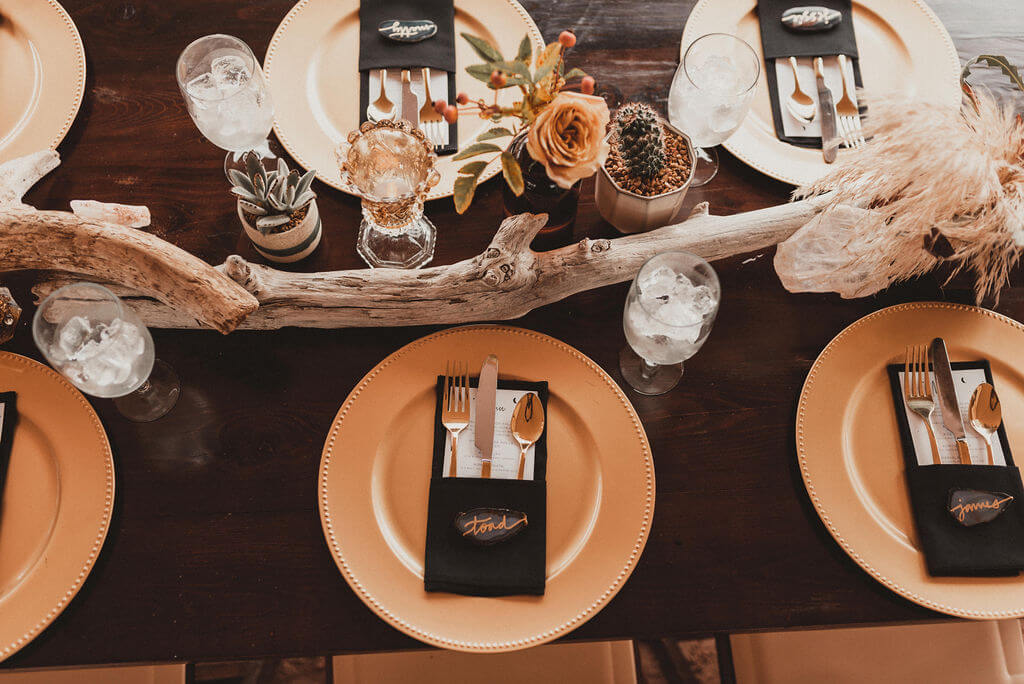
(486, 51)
(473, 168)
(475, 149)
(575, 72)
(465, 187)
(481, 72)
(525, 53)
(546, 61)
(512, 172)
(496, 132)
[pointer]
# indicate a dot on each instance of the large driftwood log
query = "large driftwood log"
(172, 289)
(506, 281)
(102, 250)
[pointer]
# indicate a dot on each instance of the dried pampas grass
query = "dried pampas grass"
(930, 172)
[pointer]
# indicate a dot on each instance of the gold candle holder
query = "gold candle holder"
(390, 165)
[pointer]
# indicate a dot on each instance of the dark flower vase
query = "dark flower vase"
(541, 195)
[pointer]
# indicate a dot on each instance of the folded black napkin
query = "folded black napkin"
(8, 419)
(379, 52)
(779, 42)
(456, 564)
(952, 549)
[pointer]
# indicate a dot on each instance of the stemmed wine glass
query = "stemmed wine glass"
(711, 94)
(669, 312)
(87, 333)
(227, 97)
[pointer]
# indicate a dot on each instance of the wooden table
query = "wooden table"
(215, 550)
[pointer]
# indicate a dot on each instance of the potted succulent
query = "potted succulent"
(642, 183)
(277, 210)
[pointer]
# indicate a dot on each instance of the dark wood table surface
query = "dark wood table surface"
(216, 551)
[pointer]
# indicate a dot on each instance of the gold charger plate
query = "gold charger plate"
(375, 472)
(851, 457)
(311, 66)
(903, 49)
(42, 76)
(57, 501)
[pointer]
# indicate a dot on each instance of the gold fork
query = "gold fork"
(430, 119)
(455, 405)
(848, 114)
(917, 389)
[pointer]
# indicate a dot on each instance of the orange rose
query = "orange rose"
(567, 137)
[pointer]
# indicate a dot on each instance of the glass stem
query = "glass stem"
(145, 388)
(647, 369)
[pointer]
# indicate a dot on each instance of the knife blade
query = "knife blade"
(410, 105)
(828, 113)
(486, 398)
(951, 417)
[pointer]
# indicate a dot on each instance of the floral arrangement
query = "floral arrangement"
(565, 129)
(934, 185)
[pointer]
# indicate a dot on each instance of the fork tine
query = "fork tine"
(917, 370)
(906, 374)
(446, 398)
(927, 372)
(465, 375)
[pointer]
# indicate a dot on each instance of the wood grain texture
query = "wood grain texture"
(215, 549)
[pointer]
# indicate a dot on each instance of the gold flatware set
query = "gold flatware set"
(921, 363)
(526, 424)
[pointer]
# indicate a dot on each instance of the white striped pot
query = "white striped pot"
(291, 245)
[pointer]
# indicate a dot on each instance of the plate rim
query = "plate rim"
(820, 507)
(79, 89)
(877, 6)
(99, 539)
(505, 645)
(493, 167)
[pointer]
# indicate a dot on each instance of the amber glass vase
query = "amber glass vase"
(541, 195)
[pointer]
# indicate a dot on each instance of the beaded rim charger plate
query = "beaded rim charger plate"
(375, 473)
(57, 501)
(902, 46)
(42, 76)
(851, 456)
(311, 65)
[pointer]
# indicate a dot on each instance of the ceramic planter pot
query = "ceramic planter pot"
(633, 213)
(291, 245)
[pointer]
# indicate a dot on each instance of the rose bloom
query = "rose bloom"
(567, 137)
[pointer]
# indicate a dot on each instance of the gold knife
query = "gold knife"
(486, 398)
(410, 104)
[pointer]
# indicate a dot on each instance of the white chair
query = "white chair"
(967, 651)
(599, 662)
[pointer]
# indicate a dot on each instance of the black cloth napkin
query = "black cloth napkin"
(436, 52)
(8, 404)
(991, 549)
(454, 563)
(779, 42)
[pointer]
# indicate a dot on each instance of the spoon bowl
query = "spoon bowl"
(527, 425)
(986, 414)
(799, 104)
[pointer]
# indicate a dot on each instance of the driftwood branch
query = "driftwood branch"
(105, 250)
(507, 281)
(170, 288)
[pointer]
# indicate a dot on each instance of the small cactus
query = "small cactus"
(638, 133)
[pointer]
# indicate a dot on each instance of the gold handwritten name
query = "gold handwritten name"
(961, 510)
(478, 526)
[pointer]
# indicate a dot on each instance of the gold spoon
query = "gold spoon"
(986, 414)
(527, 426)
(799, 103)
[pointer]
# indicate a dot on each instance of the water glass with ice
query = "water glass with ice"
(227, 96)
(669, 312)
(87, 333)
(711, 93)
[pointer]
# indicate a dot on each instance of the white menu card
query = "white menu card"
(505, 457)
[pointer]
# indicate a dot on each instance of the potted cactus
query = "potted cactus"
(643, 182)
(277, 209)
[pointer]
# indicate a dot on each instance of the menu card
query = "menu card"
(505, 457)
